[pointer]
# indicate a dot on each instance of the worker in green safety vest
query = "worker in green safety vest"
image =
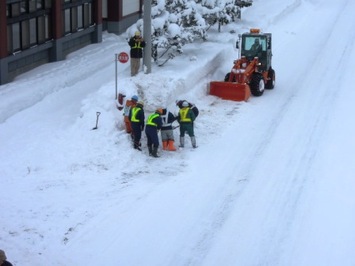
(137, 44)
(136, 116)
(186, 119)
(152, 126)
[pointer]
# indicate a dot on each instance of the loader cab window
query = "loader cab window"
(251, 42)
(254, 46)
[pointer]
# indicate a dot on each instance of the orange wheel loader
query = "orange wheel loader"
(251, 73)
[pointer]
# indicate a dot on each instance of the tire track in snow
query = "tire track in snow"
(288, 10)
(320, 111)
(301, 163)
(301, 174)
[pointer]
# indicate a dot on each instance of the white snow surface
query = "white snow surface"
(271, 183)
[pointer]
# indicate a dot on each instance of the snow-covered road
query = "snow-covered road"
(271, 183)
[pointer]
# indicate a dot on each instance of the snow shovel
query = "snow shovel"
(97, 120)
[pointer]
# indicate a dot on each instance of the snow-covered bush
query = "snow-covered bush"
(177, 22)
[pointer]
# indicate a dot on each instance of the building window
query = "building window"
(47, 27)
(32, 5)
(25, 34)
(80, 17)
(15, 10)
(87, 15)
(9, 39)
(67, 20)
(41, 27)
(14, 30)
(28, 24)
(74, 19)
(33, 31)
(48, 3)
(77, 15)
(24, 6)
(29, 21)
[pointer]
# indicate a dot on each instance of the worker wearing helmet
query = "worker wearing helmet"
(137, 44)
(153, 124)
(136, 116)
(128, 106)
(191, 105)
(186, 118)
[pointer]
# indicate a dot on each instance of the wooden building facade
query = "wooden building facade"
(34, 32)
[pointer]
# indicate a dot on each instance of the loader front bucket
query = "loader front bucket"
(230, 90)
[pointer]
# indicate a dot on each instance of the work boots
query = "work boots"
(150, 148)
(155, 152)
(182, 142)
(193, 142)
(171, 146)
(137, 146)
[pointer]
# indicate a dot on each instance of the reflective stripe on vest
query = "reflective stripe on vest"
(135, 111)
(137, 45)
(165, 118)
(151, 118)
(183, 115)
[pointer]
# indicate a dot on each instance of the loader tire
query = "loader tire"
(257, 84)
(226, 78)
(270, 84)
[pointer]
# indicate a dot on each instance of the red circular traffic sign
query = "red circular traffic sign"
(123, 57)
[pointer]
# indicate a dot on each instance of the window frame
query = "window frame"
(77, 15)
(26, 16)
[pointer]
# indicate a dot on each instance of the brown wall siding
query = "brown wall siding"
(98, 12)
(113, 10)
(3, 29)
(57, 24)
(60, 46)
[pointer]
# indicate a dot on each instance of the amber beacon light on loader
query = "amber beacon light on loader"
(252, 71)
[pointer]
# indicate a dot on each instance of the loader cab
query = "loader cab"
(257, 45)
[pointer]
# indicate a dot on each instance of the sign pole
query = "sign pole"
(147, 22)
(116, 57)
(122, 57)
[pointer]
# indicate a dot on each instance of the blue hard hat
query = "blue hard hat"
(135, 98)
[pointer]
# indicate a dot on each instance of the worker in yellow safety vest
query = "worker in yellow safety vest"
(153, 125)
(186, 118)
(136, 116)
(137, 44)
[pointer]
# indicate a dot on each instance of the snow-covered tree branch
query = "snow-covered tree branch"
(177, 22)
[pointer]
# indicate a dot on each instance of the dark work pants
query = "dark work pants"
(152, 136)
(137, 134)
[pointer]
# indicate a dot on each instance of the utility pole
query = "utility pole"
(147, 35)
